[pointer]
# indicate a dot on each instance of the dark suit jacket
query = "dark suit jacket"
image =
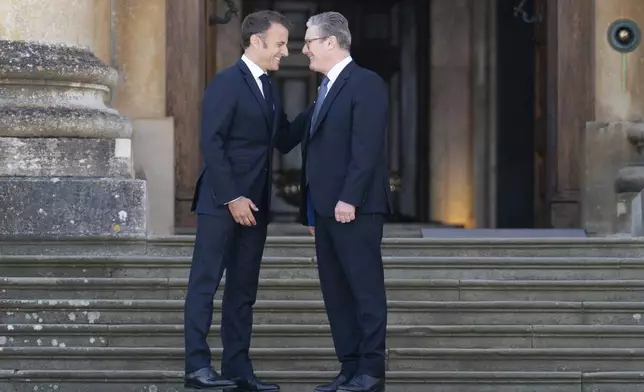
(344, 156)
(237, 141)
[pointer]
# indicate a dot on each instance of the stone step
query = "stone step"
(303, 381)
(307, 358)
(304, 246)
(309, 289)
(281, 229)
(400, 230)
(396, 267)
(21, 311)
(293, 336)
(519, 359)
(468, 247)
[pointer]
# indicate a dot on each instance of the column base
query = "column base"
(71, 207)
(65, 157)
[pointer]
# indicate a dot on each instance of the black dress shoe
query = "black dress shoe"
(333, 385)
(253, 384)
(207, 379)
(363, 383)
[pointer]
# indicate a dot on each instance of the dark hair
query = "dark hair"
(259, 22)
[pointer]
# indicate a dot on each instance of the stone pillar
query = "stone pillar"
(612, 158)
(451, 167)
(65, 156)
(78, 22)
(139, 54)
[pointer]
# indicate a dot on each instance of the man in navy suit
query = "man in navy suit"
(345, 198)
(240, 126)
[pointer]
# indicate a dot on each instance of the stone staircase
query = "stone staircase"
(474, 315)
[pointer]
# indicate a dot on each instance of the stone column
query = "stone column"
(65, 156)
(451, 175)
(614, 174)
(139, 54)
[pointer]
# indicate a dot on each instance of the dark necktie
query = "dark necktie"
(318, 101)
(268, 94)
(318, 104)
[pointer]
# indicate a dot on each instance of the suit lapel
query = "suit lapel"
(252, 84)
(277, 112)
(332, 94)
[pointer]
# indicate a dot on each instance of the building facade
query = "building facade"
(499, 109)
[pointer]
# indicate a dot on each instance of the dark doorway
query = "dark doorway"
(515, 196)
(391, 38)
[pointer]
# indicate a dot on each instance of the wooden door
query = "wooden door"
(185, 80)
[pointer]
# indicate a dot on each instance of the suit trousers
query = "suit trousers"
(222, 244)
(352, 281)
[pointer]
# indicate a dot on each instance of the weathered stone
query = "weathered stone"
(70, 206)
(570, 359)
(56, 91)
(107, 311)
(637, 215)
(412, 247)
(67, 157)
(309, 289)
(66, 160)
(609, 148)
(622, 219)
(62, 122)
(40, 61)
(630, 178)
(417, 381)
(490, 268)
(306, 359)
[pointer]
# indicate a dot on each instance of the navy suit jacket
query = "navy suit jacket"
(344, 155)
(237, 140)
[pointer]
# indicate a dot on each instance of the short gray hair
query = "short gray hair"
(332, 24)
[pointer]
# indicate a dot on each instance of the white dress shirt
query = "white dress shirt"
(256, 71)
(335, 72)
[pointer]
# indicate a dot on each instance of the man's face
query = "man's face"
(273, 46)
(316, 48)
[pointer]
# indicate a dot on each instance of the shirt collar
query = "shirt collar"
(255, 70)
(337, 69)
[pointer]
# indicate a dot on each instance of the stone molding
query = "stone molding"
(56, 90)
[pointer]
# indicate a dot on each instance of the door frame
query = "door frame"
(185, 47)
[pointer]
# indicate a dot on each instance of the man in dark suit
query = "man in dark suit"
(240, 122)
(345, 198)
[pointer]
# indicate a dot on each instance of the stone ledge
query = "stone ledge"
(51, 93)
(35, 60)
(57, 288)
(71, 207)
(583, 331)
(62, 122)
(287, 359)
(73, 380)
(160, 312)
(65, 157)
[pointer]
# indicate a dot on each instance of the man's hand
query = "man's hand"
(311, 229)
(344, 212)
(242, 211)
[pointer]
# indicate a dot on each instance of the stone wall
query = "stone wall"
(614, 171)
